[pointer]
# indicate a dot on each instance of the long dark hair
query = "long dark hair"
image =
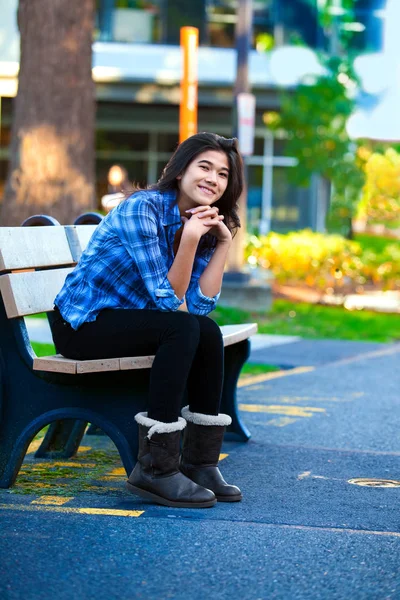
(187, 151)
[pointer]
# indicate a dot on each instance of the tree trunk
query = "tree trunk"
(51, 167)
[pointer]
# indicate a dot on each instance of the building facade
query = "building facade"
(137, 67)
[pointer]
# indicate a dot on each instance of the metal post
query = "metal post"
(189, 84)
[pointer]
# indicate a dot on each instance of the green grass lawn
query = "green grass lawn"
(314, 321)
(43, 349)
(375, 243)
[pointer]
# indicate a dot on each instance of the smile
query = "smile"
(206, 190)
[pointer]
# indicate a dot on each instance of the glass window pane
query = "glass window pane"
(254, 197)
(285, 202)
(258, 146)
(279, 147)
(122, 140)
(167, 142)
(129, 21)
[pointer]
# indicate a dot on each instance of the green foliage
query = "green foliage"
(375, 243)
(313, 119)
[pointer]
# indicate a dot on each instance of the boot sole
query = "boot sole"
(229, 498)
(159, 500)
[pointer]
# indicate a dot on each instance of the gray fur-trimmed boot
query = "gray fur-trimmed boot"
(156, 475)
(202, 441)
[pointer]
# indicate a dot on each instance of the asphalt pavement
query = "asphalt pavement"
(319, 519)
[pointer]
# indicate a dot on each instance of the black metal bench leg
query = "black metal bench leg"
(62, 439)
(12, 453)
(235, 357)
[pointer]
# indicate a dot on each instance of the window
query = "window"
(130, 21)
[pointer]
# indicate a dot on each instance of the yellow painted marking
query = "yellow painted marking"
(274, 375)
(118, 472)
(293, 411)
(222, 456)
(45, 486)
(304, 475)
(84, 448)
(108, 512)
(61, 464)
(137, 513)
(295, 399)
(367, 355)
(280, 422)
(55, 500)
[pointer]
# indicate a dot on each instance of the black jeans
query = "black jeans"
(188, 352)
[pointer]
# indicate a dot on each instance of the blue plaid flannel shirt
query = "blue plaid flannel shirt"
(126, 262)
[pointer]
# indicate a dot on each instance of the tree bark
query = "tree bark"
(51, 168)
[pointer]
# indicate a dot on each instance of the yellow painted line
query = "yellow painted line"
(52, 464)
(222, 456)
(44, 486)
(84, 449)
(280, 422)
(54, 500)
(295, 399)
(276, 409)
(108, 512)
(367, 355)
(118, 472)
(274, 375)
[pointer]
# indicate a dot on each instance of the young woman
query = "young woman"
(162, 249)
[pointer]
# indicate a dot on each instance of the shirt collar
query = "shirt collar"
(171, 214)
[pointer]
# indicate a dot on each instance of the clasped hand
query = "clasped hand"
(206, 219)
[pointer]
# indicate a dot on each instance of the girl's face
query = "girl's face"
(204, 180)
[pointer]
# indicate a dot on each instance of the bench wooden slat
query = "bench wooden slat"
(28, 247)
(30, 293)
(55, 364)
(96, 366)
(237, 333)
(84, 233)
(58, 364)
(136, 362)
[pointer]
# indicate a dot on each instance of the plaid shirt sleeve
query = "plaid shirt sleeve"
(138, 231)
(196, 301)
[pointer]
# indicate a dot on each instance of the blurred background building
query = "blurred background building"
(137, 67)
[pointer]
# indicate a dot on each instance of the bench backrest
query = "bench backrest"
(35, 262)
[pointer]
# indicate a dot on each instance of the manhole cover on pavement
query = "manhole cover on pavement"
(375, 482)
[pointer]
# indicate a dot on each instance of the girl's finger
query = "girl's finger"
(201, 209)
(209, 213)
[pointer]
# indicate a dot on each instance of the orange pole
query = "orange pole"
(188, 105)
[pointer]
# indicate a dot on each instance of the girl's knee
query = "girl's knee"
(209, 328)
(185, 326)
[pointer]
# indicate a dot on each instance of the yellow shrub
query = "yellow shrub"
(323, 261)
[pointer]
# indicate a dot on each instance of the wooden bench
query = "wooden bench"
(70, 393)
